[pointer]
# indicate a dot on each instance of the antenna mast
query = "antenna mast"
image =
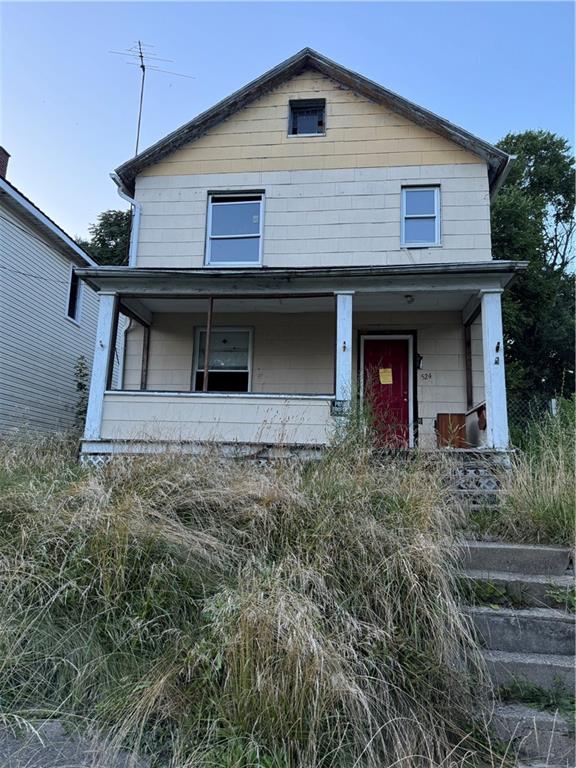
(140, 52)
(143, 70)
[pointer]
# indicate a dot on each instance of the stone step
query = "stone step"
(526, 630)
(535, 735)
(545, 670)
(518, 558)
(522, 590)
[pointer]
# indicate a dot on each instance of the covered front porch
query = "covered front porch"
(272, 360)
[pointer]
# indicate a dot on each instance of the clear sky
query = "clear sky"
(68, 106)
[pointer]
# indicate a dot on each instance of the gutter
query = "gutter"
(493, 266)
(136, 210)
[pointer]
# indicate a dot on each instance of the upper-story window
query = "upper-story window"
(420, 216)
(234, 230)
(74, 295)
(307, 117)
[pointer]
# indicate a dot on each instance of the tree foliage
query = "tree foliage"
(533, 221)
(109, 238)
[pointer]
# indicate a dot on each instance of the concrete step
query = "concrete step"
(48, 744)
(526, 590)
(539, 764)
(545, 670)
(526, 630)
(518, 558)
(535, 735)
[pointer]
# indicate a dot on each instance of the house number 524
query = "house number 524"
(426, 376)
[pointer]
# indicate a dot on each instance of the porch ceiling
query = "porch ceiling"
(363, 302)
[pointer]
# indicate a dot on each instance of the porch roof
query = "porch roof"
(139, 281)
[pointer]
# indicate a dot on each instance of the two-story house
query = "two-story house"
(47, 316)
(311, 240)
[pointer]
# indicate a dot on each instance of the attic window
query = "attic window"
(307, 117)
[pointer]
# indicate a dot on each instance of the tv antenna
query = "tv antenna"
(145, 59)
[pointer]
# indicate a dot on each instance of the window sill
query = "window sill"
(232, 265)
(404, 247)
(73, 321)
(306, 135)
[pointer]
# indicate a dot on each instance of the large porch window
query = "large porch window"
(229, 360)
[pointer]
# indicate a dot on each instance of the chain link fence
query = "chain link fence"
(523, 412)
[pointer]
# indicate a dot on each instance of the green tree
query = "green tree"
(109, 238)
(533, 220)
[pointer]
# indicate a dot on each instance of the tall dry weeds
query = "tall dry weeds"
(220, 613)
(538, 499)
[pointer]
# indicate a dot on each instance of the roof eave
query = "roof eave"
(48, 227)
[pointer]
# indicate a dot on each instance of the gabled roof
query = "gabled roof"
(498, 161)
(36, 218)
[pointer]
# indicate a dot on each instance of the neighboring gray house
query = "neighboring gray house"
(48, 317)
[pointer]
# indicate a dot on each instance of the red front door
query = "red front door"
(387, 389)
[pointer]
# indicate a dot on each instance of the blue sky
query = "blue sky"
(68, 106)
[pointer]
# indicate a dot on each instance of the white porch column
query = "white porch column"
(101, 364)
(344, 346)
(494, 379)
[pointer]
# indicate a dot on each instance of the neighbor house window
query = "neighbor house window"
(229, 362)
(307, 117)
(74, 289)
(420, 216)
(234, 230)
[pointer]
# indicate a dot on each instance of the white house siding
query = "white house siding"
(304, 421)
(340, 217)
(39, 345)
(294, 353)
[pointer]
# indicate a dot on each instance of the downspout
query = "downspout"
(502, 178)
(136, 210)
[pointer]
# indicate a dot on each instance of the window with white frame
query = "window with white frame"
(229, 363)
(234, 235)
(74, 296)
(420, 216)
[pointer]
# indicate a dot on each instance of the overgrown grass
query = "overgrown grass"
(218, 613)
(538, 494)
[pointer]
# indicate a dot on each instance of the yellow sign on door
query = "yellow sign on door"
(385, 375)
